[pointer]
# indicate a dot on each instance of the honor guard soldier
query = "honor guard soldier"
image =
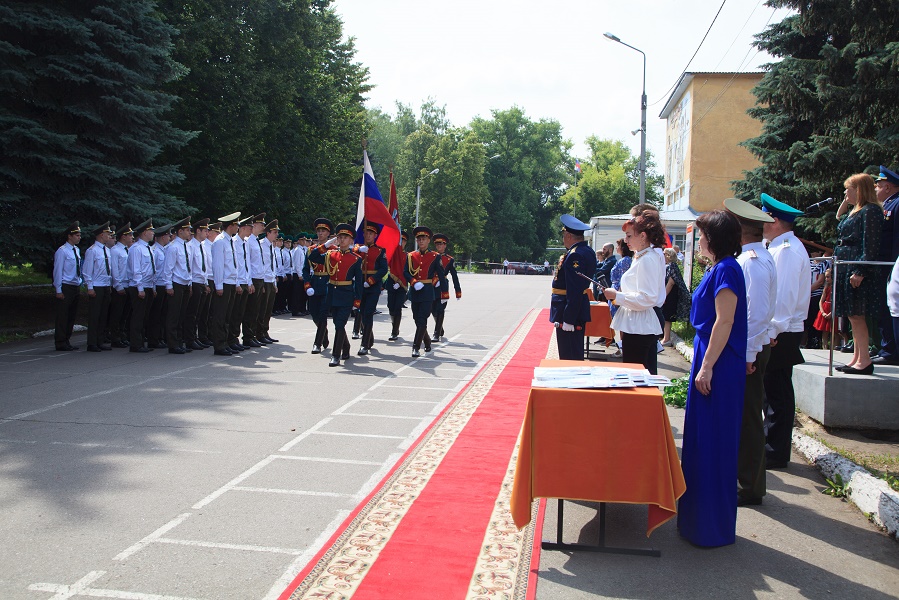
(448, 263)
(315, 282)
(344, 270)
(297, 299)
(155, 329)
(760, 275)
(142, 286)
(258, 300)
(569, 308)
(793, 292)
(199, 288)
(226, 281)
(178, 288)
(374, 269)
(245, 288)
(423, 272)
(397, 288)
(119, 304)
(97, 274)
(271, 264)
(67, 283)
(204, 335)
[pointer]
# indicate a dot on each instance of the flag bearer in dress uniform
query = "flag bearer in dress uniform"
(397, 288)
(315, 282)
(204, 331)
(226, 282)
(297, 299)
(142, 285)
(199, 288)
(760, 275)
(448, 263)
(97, 274)
(344, 270)
(271, 264)
(245, 289)
(117, 328)
(178, 286)
(569, 308)
(374, 269)
(258, 300)
(67, 282)
(793, 292)
(423, 272)
(156, 319)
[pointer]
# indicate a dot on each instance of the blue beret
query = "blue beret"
(782, 211)
(888, 175)
(573, 224)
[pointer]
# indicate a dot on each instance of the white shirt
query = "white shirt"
(118, 257)
(299, 259)
(142, 266)
(206, 246)
(268, 258)
(642, 288)
(198, 262)
(258, 262)
(224, 261)
(177, 264)
(66, 265)
(97, 270)
(760, 275)
(793, 289)
(893, 291)
(158, 251)
(244, 270)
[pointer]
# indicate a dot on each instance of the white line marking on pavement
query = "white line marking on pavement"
(233, 482)
(240, 488)
(363, 435)
(320, 424)
(406, 387)
(79, 589)
(152, 537)
(381, 416)
(224, 546)
(129, 386)
(403, 401)
(340, 461)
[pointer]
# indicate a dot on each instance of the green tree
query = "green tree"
(83, 119)
(828, 107)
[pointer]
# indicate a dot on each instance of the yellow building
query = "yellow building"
(706, 121)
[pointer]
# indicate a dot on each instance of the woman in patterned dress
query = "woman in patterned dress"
(859, 293)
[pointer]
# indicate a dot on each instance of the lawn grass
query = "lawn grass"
(24, 275)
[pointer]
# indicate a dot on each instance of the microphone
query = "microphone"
(815, 208)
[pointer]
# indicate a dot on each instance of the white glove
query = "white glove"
(331, 242)
(418, 285)
(310, 292)
(365, 284)
(567, 327)
(363, 248)
(396, 286)
(443, 302)
(437, 285)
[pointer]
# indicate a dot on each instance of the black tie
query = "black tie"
(203, 258)
(106, 259)
(186, 260)
(77, 262)
(233, 255)
(152, 262)
(271, 257)
(246, 265)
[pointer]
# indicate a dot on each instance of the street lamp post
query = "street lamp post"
(642, 130)
(418, 194)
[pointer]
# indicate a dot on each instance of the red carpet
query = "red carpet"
(434, 549)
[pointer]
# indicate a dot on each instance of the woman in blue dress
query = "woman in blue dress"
(707, 512)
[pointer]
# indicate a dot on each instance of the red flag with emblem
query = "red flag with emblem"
(398, 259)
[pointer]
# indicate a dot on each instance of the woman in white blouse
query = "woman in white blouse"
(642, 288)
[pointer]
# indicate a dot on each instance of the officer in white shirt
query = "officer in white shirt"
(270, 264)
(204, 335)
(117, 327)
(257, 301)
(97, 274)
(245, 289)
(760, 275)
(156, 318)
(791, 309)
(177, 277)
(224, 275)
(199, 286)
(67, 283)
(298, 292)
(142, 268)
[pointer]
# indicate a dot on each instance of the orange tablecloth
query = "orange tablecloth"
(600, 321)
(598, 445)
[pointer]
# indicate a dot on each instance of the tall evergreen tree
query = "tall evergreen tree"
(82, 119)
(829, 107)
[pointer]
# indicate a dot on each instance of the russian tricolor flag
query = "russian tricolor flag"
(371, 208)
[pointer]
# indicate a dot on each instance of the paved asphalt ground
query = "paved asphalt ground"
(195, 476)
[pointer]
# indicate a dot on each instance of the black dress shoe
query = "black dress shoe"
(141, 349)
(428, 348)
(177, 351)
(842, 368)
(93, 348)
(869, 370)
(195, 345)
(393, 338)
(335, 362)
(207, 343)
(271, 340)
(362, 351)
(105, 347)
(234, 348)
(316, 350)
(70, 347)
(415, 353)
(252, 344)
(119, 345)
(884, 360)
(223, 352)
(748, 501)
(346, 356)
(356, 335)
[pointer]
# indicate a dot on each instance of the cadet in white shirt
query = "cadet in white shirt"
(177, 277)
(791, 309)
(97, 274)
(760, 276)
(67, 283)
(224, 274)
(298, 298)
(142, 286)
(269, 282)
(256, 303)
(199, 286)
(156, 319)
(117, 327)
(246, 289)
(204, 335)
